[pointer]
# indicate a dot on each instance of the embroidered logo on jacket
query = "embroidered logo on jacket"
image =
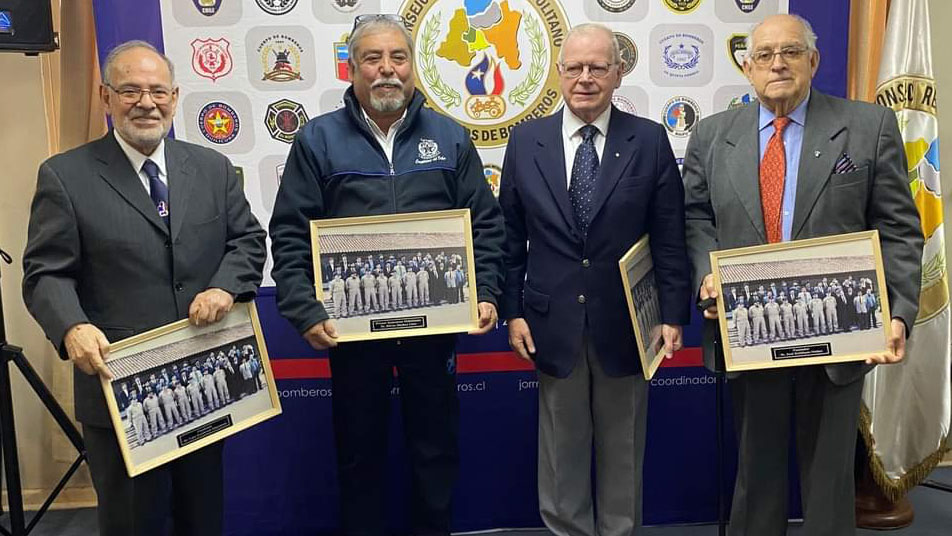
(429, 152)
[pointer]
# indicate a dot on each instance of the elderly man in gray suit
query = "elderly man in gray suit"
(127, 233)
(799, 164)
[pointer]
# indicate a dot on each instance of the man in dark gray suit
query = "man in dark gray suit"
(104, 262)
(825, 166)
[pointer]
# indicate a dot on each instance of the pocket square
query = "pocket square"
(844, 165)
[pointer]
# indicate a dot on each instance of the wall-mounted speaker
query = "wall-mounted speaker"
(27, 26)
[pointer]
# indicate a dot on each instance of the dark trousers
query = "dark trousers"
(362, 378)
(183, 497)
(863, 320)
(825, 416)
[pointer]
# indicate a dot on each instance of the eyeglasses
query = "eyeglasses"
(764, 58)
(360, 20)
(596, 70)
(133, 94)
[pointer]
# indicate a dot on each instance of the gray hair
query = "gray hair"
(373, 26)
(129, 45)
(589, 28)
(809, 36)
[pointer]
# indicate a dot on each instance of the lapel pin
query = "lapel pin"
(816, 154)
(617, 155)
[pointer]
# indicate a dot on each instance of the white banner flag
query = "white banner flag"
(906, 413)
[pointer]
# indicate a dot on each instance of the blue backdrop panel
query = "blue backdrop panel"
(280, 476)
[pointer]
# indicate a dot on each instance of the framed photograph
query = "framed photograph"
(179, 388)
(396, 275)
(644, 307)
(808, 302)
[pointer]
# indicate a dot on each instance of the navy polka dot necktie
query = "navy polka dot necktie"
(582, 186)
(157, 190)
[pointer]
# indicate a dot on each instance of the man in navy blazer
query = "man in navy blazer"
(578, 190)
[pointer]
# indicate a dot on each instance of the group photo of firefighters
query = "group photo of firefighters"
(159, 400)
(767, 311)
(647, 307)
(374, 282)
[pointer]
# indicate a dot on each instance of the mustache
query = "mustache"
(387, 82)
(135, 114)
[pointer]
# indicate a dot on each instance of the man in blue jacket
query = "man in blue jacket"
(366, 159)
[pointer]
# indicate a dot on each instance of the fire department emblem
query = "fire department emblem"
(737, 48)
(682, 7)
(493, 174)
(207, 7)
(629, 53)
(489, 64)
(341, 57)
(680, 115)
(616, 6)
(211, 58)
(218, 122)
(276, 7)
(284, 119)
(747, 5)
(280, 58)
(345, 6)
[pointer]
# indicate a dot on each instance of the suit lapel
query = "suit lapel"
(743, 163)
(180, 184)
(822, 145)
(551, 164)
(619, 150)
(118, 172)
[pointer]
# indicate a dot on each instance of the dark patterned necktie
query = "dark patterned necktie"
(157, 190)
(582, 186)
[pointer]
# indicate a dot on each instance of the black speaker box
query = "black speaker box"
(26, 26)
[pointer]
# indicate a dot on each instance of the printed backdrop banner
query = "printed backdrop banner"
(252, 72)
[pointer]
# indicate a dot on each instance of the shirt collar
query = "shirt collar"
(137, 159)
(377, 130)
(571, 123)
(798, 115)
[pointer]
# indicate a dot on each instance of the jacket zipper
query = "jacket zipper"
(393, 188)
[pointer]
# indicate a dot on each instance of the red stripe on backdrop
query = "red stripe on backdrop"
(314, 369)
(301, 369)
(685, 357)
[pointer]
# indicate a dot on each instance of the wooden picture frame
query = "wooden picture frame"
(211, 399)
(812, 329)
(644, 305)
(437, 243)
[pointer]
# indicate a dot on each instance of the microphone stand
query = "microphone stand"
(10, 354)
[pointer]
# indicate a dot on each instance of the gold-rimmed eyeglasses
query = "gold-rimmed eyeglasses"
(764, 58)
(133, 94)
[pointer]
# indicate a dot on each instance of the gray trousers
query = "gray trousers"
(590, 407)
(826, 416)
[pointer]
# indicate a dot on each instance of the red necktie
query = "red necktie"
(773, 168)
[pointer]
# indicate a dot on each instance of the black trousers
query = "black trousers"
(183, 497)
(362, 378)
(825, 417)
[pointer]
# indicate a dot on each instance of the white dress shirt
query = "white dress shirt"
(137, 159)
(572, 138)
(385, 140)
